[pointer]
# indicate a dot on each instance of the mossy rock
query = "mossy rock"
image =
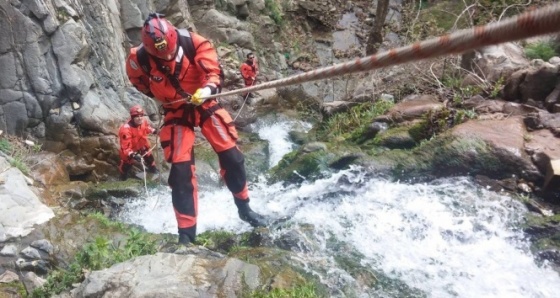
(299, 165)
(396, 138)
(119, 189)
(276, 269)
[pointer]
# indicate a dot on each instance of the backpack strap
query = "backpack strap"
(144, 60)
(186, 42)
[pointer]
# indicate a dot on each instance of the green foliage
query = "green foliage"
(497, 87)
(274, 11)
(540, 50)
(352, 124)
(437, 121)
(303, 291)
(460, 92)
(99, 254)
(18, 152)
(106, 222)
(5, 146)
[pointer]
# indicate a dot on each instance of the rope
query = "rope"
(144, 167)
(244, 101)
(540, 21)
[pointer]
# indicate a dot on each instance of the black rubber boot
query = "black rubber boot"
(248, 215)
(184, 239)
(187, 235)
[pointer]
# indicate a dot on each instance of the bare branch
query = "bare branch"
(461, 14)
(504, 11)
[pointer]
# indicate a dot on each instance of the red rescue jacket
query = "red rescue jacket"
(249, 71)
(133, 139)
(191, 77)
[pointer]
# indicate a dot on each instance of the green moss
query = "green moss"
(221, 241)
(300, 291)
(352, 125)
(127, 188)
(297, 165)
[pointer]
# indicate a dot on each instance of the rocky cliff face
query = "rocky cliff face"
(63, 81)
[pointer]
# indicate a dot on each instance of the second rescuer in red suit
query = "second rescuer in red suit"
(249, 71)
(133, 139)
(170, 79)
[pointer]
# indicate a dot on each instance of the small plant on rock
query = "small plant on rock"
(540, 50)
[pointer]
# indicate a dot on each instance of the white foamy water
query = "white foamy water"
(276, 133)
(449, 238)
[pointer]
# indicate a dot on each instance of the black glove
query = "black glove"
(137, 157)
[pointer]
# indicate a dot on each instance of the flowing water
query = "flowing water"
(448, 238)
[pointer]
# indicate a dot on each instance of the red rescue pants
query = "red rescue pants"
(177, 139)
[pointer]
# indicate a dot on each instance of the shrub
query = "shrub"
(540, 50)
(274, 11)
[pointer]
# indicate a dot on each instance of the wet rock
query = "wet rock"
(293, 240)
(344, 161)
(298, 137)
(496, 185)
(551, 255)
(375, 128)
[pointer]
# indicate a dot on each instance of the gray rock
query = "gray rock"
(188, 275)
(8, 277)
(44, 245)
(20, 208)
(16, 118)
(8, 75)
(9, 250)
(31, 253)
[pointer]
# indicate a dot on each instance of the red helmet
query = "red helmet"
(159, 37)
(136, 111)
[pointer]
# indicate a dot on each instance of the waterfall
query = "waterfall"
(447, 238)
